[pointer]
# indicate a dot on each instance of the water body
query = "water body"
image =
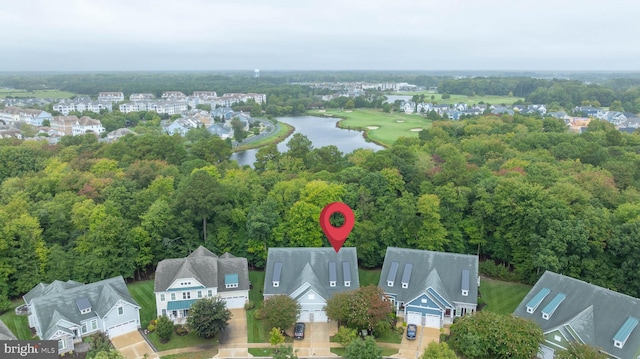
(392, 98)
(322, 131)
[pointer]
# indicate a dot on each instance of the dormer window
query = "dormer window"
(84, 306)
(391, 277)
(231, 281)
(277, 271)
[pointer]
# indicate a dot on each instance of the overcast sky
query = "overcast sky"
(114, 35)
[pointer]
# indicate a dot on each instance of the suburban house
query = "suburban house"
(310, 276)
(173, 95)
(110, 96)
(570, 310)
(32, 117)
(68, 311)
(141, 96)
(180, 282)
(430, 288)
(86, 124)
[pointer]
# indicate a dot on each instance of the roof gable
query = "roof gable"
(311, 265)
(441, 271)
(591, 313)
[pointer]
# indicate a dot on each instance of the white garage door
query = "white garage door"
(235, 302)
(432, 321)
(122, 329)
(414, 318)
(320, 316)
(545, 352)
(304, 316)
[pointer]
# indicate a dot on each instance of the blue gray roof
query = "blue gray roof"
(52, 307)
(311, 266)
(439, 270)
(590, 314)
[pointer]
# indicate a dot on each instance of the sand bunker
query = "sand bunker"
(348, 111)
(415, 129)
(399, 121)
(373, 127)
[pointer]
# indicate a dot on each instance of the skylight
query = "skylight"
(535, 301)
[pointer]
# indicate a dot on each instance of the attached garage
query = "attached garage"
(122, 328)
(414, 318)
(432, 321)
(319, 316)
(235, 302)
(304, 316)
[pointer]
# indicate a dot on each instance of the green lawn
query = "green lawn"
(18, 324)
(142, 292)
(390, 126)
(502, 297)
(278, 136)
(385, 351)
(38, 93)
(471, 100)
(256, 332)
(369, 277)
(189, 340)
(197, 355)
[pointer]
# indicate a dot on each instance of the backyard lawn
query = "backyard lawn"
(502, 297)
(256, 332)
(369, 277)
(142, 293)
(18, 324)
(380, 127)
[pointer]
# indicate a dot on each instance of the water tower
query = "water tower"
(256, 73)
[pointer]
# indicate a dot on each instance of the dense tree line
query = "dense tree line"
(520, 191)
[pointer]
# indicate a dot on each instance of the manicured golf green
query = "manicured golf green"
(470, 100)
(37, 93)
(380, 127)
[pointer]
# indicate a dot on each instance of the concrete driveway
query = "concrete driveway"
(413, 349)
(316, 340)
(233, 341)
(133, 346)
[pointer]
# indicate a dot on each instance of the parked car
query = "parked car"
(412, 329)
(298, 332)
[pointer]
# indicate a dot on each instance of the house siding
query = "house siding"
(112, 318)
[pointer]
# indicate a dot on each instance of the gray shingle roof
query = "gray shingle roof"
(47, 289)
(5, 333)
(103, 295)
(204, 266)
(594, 313)
(310, 265)
(440, 270)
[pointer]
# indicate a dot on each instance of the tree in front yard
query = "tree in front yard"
(284, 352)
(363, 349)
(582, 351)
(280, 311)
(363, 308)
(345, 335)
(208, 316)
(164, 328)
(276, 337)
(99, 343)
(439, 351)
(490, 335)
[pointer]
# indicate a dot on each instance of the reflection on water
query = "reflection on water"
(322, 131)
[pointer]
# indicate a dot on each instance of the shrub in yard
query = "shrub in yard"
(258, 314)
(181, 329)
(249, 305)
(164, 328)
(151, 328)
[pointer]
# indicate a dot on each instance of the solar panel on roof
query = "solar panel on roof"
(277, 270)
(346, 269)
(332, 272)
(406, 274)
(625, 330)
(537, 299)
(465, 280)
(392, 272)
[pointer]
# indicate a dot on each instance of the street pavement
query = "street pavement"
(133, 346)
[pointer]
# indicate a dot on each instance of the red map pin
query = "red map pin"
(337, 235)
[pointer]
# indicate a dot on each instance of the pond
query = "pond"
(322, 131)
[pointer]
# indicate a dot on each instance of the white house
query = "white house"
(86, 124)
(180, 282)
